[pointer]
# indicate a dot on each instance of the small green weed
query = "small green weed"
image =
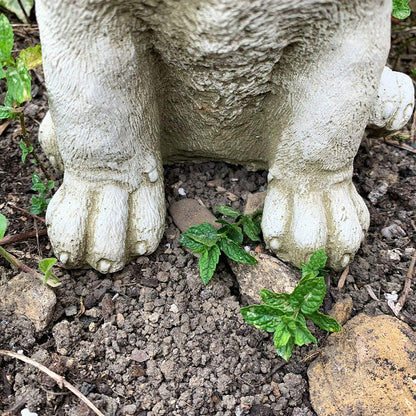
(45, 265)
(18, 82)
(286, 314)
(40, 203)
(205, 240)
(401, 9)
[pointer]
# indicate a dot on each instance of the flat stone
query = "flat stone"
(255, 202)
(189, 212)
(27, 296)
(269, 273)
(139, 355)
(367, 369)
(341, 311)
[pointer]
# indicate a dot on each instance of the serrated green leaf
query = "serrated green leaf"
(3, 225)
(222, 221)
(46, 264)
(39, 187)
(324, 322)
(193, 245)
(286, 350)
(228, 211)
(38, 205)
(315, 264)
(14, 7)
(301, 333)
(277, 300)
(6, 112)
(208, 263)
(50, 184)
(18, 82)
(203, 233)
(401, 9)
(251, 228)
(281, 335)
(233, 232)
(262, 317)
(36, 178)
(6, 39)
(25, 150)
(32, 56)
(235, 252)
(309, 294)
(2, 73)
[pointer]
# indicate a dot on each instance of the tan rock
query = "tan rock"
(188, 212)
(269, 273)
(27, 296)
(341, 311)
(255, 202)
(367, 369)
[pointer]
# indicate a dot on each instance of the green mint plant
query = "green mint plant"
(45, 265)
(285, 314)
(205, 240)
(21, 8)
(401, 9)
(40, 203)
(18, 82)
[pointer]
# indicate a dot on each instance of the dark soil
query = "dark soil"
(154, 340)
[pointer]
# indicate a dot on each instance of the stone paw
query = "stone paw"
(395, 101)
(104, 226)
(296, 222)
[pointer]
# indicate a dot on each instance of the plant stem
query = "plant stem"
(28, 143)
(18, 264)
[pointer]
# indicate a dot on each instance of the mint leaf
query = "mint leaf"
(233, 232)
(286, 350)
(235, 252)
(18, 82)
(315, 264)
(281, 335)
(14, 7)
(38, 205)
(46, 264)
(204, 234)
(208, 263)
(6, 40)
(401, 9)
(50, 184)
(251, 228)
(301, 333)
(3, 225)
(6, 112)
(277, 300)
(228, 211)
(308, 294)
(324, 322)
(25, 150)
(32, 56)
(262, 317)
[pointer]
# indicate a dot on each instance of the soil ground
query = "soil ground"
(154, 340)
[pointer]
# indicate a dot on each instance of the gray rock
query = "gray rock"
(27, 296)
(255, 202)
(269, 273)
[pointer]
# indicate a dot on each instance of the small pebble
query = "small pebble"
(173, 308)
(393, 231)
(27, 412)
(181, 192)
(71, 310)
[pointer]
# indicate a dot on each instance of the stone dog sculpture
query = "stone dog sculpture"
(295, 84)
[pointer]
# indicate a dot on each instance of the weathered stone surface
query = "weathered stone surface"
(188, 212)
(27, 296)
(342, 309)
(255, 202)
(367, 369)
(269, 273)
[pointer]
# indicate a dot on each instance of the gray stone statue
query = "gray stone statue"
(292, 86)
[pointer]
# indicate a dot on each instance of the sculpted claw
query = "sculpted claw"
(103, 266)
